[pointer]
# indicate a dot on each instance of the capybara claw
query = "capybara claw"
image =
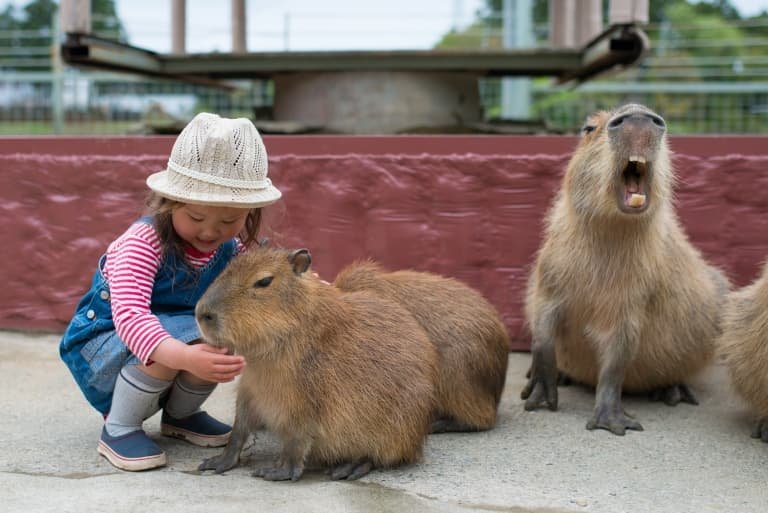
(351, 471)
(615, 422)
(281, 473)
(219, 464)
(538, 394)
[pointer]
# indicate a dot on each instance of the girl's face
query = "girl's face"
(205, 228)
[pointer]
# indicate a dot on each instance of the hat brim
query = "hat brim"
(256, 198)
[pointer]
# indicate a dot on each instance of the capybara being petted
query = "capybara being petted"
(744, 345)
(619, 298)
(344, 379)
(470, 338)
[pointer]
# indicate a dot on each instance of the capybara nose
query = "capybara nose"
(638, 119)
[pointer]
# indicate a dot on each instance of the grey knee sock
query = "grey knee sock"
(135, 399)
(186, 398)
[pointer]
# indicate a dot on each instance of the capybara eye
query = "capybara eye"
(264, 282)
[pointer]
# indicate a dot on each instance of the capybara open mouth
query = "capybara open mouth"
(633, 193)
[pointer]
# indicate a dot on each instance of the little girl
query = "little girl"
(133, 345)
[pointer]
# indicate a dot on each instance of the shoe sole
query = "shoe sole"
(131, 464)
(194, 438)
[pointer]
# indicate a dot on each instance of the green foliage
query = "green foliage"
(29, 30)
(691, 41)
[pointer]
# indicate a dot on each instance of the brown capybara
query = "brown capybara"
(343, 379)
(619, 299)
(470, 338)
(744, 346)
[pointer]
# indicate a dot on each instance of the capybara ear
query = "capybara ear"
(300, 259)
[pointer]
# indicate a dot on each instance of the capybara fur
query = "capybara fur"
(744, 346)
(619, 299)
(470, 338)
(344, 379)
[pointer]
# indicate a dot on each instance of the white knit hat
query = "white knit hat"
(217, 161)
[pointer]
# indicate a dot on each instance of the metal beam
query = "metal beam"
(619, 46)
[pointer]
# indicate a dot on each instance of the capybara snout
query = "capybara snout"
(636, 131)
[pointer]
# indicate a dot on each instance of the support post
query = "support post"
(626, 12)
(178, 26)
(75, 16)
(239, 44)
(517, 20)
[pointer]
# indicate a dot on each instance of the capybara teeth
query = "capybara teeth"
(637, 158)
(637, 200)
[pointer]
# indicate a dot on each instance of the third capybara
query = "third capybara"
(470, 338)
(345, 379)
(619, 298)
(744, 346)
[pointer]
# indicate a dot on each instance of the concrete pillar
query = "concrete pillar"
(378, 102)
(178, 26)
(238, 27)
(562, 27)
(590, 21)
(75, 16)
(628, 11)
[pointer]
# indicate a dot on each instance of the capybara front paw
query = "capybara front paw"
(279, 473)
(540, 392)
(761, 429)
(674, 395)
(617, 422)
(219, 464)
(351, 471)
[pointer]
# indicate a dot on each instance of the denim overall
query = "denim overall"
(91, 347)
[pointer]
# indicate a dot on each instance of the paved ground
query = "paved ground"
(689, 458)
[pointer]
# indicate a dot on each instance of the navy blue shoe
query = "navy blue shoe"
(198, 429)
(134, 451)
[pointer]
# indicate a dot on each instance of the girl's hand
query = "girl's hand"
(213, 363)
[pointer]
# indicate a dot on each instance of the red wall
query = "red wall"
(468, 207)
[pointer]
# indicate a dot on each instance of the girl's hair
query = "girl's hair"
(161, 209)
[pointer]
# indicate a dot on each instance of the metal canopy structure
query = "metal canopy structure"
(619, 46)
(378, 91)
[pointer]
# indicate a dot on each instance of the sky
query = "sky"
(312, 25)
(300, 24)
(309, 24)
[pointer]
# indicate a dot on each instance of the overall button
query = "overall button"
(90, 314)
(104, 295)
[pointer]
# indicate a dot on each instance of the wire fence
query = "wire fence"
(700, 85)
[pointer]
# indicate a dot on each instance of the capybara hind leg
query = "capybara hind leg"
(761, 429)
(290, 465)
(541, 389)
(609, 413)
(231, 456)
(674, 395)
(450, 425)
(352, 470)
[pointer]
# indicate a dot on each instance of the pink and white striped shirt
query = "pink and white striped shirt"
(130, 267)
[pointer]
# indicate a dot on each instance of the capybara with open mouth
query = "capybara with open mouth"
(744, 345)
(345, 379)
(470, 338)
(619, 299)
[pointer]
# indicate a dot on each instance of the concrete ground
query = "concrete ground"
(688, 459)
